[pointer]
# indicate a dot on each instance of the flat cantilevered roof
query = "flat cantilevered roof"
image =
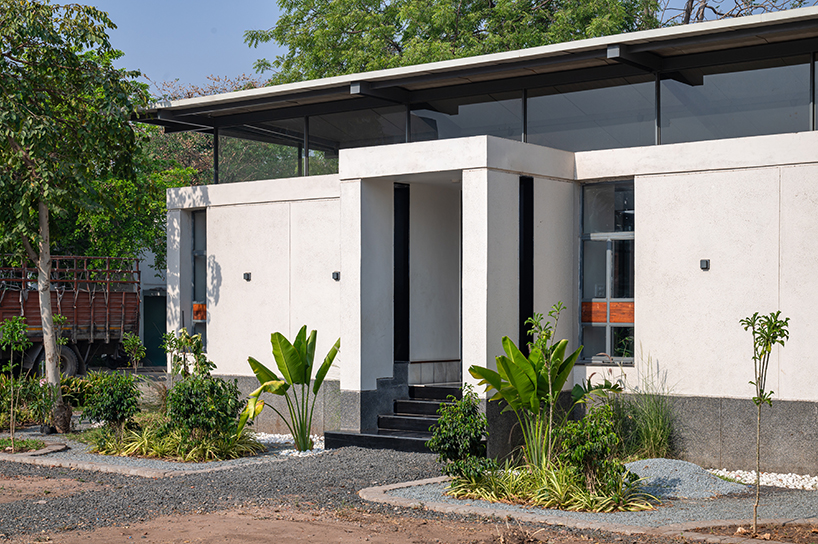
(675, 52)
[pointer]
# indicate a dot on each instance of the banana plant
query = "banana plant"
(295, 362)
(531, 387)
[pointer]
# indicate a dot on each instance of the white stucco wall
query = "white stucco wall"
(286, 234)
(434, 275)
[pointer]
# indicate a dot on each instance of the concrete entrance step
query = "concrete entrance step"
(406, 423)
(394, 441)
(434, 392)
(418, 407)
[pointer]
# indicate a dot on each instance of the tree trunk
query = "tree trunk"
(758, 469)
(61, 413)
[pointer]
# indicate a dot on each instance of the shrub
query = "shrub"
(588, 446)
(113, 399)
(205, 406)
(458, 435)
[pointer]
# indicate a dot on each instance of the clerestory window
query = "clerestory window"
(607, 269)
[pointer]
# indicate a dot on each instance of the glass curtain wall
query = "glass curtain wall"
(494, 115)
(610, 115)
(751, 99)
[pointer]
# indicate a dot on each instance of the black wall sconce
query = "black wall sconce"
(247, 276)
(336, 276)
(704, 264)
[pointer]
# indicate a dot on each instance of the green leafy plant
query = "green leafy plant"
(114, 399)
(588, 445)
(457, 439)
(187, 354)
(13, 338)
(531, 385)
(295, 362)
(767, 330)
(134, 348)
(205, 406)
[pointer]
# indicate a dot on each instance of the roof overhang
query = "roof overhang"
(671, 52)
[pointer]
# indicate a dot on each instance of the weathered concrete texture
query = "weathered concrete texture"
(721, 433)
(326, 417)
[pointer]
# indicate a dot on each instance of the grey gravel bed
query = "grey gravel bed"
(330, 480)
(667, 478)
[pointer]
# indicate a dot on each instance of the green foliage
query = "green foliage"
(556, 486)
(30, 400)
(531, 385)
(14, 339)
(295, 362)
(134, 348)
(187, 354)
(27, 444)
(346, 36)
(205, 406)
(113, 399)
(457, 438)
(644, 421)
(768, 330)
(588, 445)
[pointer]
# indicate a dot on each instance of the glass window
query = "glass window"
(199, 307)
(608, 207)
(738, 100)
(607, 306)
(620, 114)
(360, 128)
(495, 115)
(266, 151)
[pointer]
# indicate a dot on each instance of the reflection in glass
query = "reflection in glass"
(494, 115)
(623, 259)
(251, 160)
(603, 118)
(622, 338)
(593, 269)
(608, 207)
(361, 128)
(593, 340)
(747, 101)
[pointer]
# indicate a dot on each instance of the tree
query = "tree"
(327, 38)
(64, 123)
(696, 11)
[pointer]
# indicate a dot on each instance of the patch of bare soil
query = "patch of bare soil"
(284, 525)
(31, 488)
(797, 534)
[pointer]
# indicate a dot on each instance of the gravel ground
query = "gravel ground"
(330, 480)
(670, 478)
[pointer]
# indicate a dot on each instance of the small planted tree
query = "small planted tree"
(13, 338)
(134, 348)
(768, 330)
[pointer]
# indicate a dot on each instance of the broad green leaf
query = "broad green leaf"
(288, 359)
(309, 352)
(322, 371)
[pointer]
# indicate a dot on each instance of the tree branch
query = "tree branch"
(29, 249)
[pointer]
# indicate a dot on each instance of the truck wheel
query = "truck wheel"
(68, 361)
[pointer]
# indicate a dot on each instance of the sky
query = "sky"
(188, 41)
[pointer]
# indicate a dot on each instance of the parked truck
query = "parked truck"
(99, 296)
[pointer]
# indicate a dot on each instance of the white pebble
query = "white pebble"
(790, 481)
(287, 439)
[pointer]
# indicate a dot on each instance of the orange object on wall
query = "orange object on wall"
(200, 312)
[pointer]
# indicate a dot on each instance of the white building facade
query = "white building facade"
(662, 185)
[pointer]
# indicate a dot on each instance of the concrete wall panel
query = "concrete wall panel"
(434, 276)
(687, 320)
(798, 286)
(242, 314)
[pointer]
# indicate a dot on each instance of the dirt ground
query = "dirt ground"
(797, 534)
(284, 525)
(18, 489)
